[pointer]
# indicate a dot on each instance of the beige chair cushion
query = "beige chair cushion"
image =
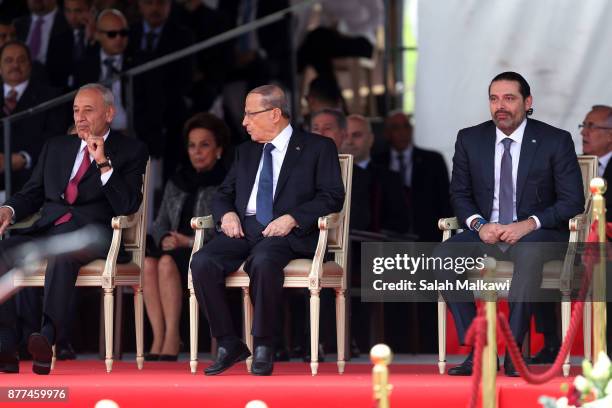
(95, 268)
(299, 268)
(504, 270)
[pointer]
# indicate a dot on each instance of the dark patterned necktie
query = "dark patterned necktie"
(10, 102)
(72, 189)
(265, 188)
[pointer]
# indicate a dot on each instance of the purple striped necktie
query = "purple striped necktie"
(36, 37)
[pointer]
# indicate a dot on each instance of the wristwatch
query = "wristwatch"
(478, 224)
(107, 163)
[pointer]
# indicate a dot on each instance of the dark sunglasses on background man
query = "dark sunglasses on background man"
(114, 33)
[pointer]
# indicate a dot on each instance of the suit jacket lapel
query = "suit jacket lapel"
(488, 165)
(251, 165)
(529, 146)
(294, 150)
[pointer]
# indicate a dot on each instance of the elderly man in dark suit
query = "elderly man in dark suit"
(281, 182)
(20, 92)
(515, 182)
(79, 180)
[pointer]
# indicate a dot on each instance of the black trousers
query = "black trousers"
(60, 277)
(528, 256)
(265, 259)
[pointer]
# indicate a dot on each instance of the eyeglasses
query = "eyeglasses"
(114, 33)
(251, 114)
(591, 126)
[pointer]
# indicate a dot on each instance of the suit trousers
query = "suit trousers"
(528, 258)
(60, 278)
(264, 260)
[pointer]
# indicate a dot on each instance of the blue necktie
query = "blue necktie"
(265, 188)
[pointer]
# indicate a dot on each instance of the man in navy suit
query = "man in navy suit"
(267, 209)
(78, 180)
(515, 182)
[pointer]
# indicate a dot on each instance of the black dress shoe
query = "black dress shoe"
(168, 357)
(546, 355)
(464, 368)
(151, 357)
(41, 352)
(9, 362)
(227, 357)
(263, 360)
(65, 352)
(509, 369)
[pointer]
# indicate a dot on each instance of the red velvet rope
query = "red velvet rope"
(477, 333)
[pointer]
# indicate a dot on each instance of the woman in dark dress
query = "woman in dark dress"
(187, 194)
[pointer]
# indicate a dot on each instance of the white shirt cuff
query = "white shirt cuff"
(105, 176)
(468, 222)
(28, 159)
(12, 210)
(537, 221)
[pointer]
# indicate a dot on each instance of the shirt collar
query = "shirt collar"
(118, 59)
(517, 135)
(281, 141)
(20, 88)
(407, 152)
(146, 28)
(364, 163)
(605, 159)
(84, 143)
(47, 17)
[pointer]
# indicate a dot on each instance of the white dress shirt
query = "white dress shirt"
(603, 163)
(515, 152)
(394, 164)
(120, 120)
(45, 34)
(20, 89)
(79, 158)
(364, 163)
(280, 142)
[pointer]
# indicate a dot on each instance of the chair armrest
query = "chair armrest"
(577, 223)
(448, 224)
(202, 222)
(330, 221)
(124, 221)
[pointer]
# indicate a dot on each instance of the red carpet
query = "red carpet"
(171, 385)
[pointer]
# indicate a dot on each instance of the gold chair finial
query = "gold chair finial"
(598, 185)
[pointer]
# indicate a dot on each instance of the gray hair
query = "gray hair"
(607, 109)
(113, 12)
(107, 94)
(338, 115)
(362, 119)
(273, 97)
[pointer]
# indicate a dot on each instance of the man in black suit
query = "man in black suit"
(78, 181)
(20, 92)
(516, 182)
(107, 59)
(281, 182)
(160, 109)
(425, 180)
(49, 38)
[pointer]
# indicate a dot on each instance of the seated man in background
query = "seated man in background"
(77, 181)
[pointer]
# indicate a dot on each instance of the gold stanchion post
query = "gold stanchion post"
(381, 357)
(489, 357)
(598, 188)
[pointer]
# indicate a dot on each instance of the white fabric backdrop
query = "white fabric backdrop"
(562, 47)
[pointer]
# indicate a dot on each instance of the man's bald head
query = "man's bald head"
(597, 131)
(112, 31)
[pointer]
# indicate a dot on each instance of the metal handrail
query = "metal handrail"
(129, 74)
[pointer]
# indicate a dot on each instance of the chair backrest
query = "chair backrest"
(337, 239)
(135, 237)
(588, 168)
